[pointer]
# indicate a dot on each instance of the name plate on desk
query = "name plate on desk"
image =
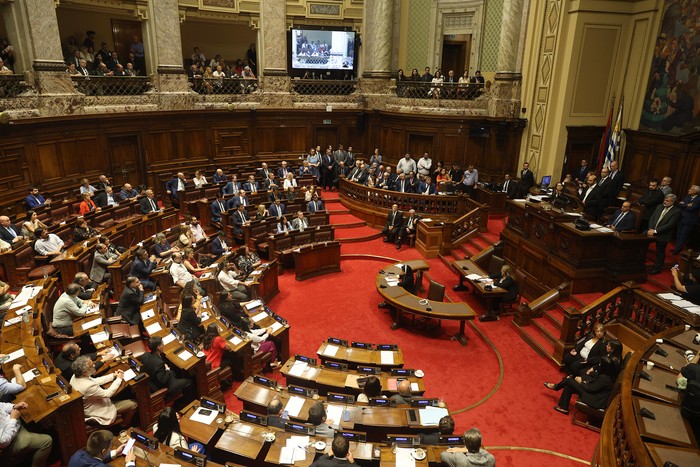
(355, 436)
(200, 460)
(143, 438)
(361, 345)
(271, 383)
(336, 366)
(212, 404)
(253, 418)
(342, 398)
(450, 440)
(402, 372)
(403, 440)
(335, 341)
(370, 370)
(301, 391)
(392, 347)
(381, 402)
(302, 358)
(301, 428)
(424, 403)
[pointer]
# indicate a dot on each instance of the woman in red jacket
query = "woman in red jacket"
(87, 204)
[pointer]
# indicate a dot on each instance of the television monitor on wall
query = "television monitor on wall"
(322, 49)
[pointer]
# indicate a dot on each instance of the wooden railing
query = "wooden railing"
(534, 309)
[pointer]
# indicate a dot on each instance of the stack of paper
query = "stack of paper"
(351, 381)
(185, 355)
(153, 328)
(430, 416)
(259, 317)
(473, 277)
(99, 337)
(92, 324)
(330, 350)
(168, 339)
(253, 304)
(404, 457)
(129, 375)
(203, 415)
(391, 282)
(275, 326)
(294, 450)
(148, 314)
(669, 296)
(14, 355)
(387, 357)
(294, 405)
(235, 340)
(298, 368)
(334, 413)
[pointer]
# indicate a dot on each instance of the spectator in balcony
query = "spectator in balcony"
(437, 81)
(31, 223)
(87, 205)
(3, 69)
(215, 62)
(443, 176)
(103, 70)
(238, 68)
(314, 160)
(194, 71)
(219, 75)
(74, 59)
(415, 76)
(137, 49)
(7, 52)
(89, 40)
(400, 75)
(82, 231)
(463, 84)
(47, 244)
(83, 68)
(129, 70)
(469, 180)
(426, 187)
(406, 165)
(104, 53)
(86, 55)
(427, 77)
(119, 71)
(477, 78)
(376, 158)
(198, 57)
(249, 75)
(199, 179)
(424, 164)
(34, 199)
(252, 57)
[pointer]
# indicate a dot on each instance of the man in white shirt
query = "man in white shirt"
(181, 276)
(406, 165)
(424, 164)
(227, 279)
(47, 244)
(198, 234)
(16, 442)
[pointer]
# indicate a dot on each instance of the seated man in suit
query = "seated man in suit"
(409, 226)
(71, 351)
(106, 198)
(340, 448)
(218, 245)
(251, 185)
(300, 222)
(426, 187)
(10, 232)
(127, 192)
(219, 176)
(130, 301)
(473, 454)
(99, 452)
(142, 267)
(240, 199)
(232, 187)
(161, 376)
(67, 308)
(504, 281)
(404, 393)
(218, 208)
(393, 224)
(315, 205)
(278, 209)
(270, 183)
(263, 171)
(34, 199)
(446, 426)
(97, 402)
(148, 203)
(317, 417)
(87, 287)
(510, 187)
(623, 220)
(402, 185)
(175, 185)
(283, 170)
(101, 260)
(240, 218)
(275, 414)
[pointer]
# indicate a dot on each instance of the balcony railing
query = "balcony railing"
(329, 87)
(12, 85)
(455, 91)
(111, 85)
(223, 85)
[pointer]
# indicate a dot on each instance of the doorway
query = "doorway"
(455, 53)
(123, 33)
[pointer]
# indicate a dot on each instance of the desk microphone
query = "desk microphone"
(465, 268)
(661, 352)
(382, 286)
(644, 375)
(646, 413)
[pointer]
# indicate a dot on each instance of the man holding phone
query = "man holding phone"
(97, 453)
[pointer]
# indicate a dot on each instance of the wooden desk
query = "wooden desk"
(495, 199)
(466, 268)
(354, 357)
(388, 458)
(199, 431)
(405, 302)
(265, 283)
(316, 259)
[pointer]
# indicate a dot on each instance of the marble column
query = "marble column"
(506, 89)
(377, 41)
(164, 46)
(275, 81)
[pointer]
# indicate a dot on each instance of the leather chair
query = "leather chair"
(508, 308)
(28, 268)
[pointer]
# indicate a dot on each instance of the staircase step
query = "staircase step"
(338, 211)
(468, 249)
(477, 243)
(350, 225)
(547, 329)
(549, 315)
(360, 239)
(538, 344)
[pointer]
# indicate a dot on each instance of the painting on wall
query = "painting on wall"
(672, 99)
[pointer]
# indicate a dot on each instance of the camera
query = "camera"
(696, 339)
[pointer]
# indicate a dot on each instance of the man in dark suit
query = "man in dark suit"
(582, 173)
(240, 217)
(623, 220)
(283, 170)
(263, 172)
(277, 209)
(327, 170)
(218, 245)
(34, 199)
(98, 452)
(402, 185)
(592, 198)
(341, 171)
(527, 180)
(251, 185)
(446, 427)
(8, 231)
(130, 301)
(174, 186)
(409, 226)
(219, 176)
(160, 375)
(274, 414)
(87, 287)
(510, 187)
(218, 208)
(236, 201)
(689, 217)
(142, 267)
(106, 198)
(649, 200)
(607, 189)
(341, 454)
(394, 221)
(617, 177)
(148, 203)
(426, 187)
(232, 187)
(661, 226)
(315, 205)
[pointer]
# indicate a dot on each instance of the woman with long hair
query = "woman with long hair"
(214, 347)
(31, 222)
(167, 431)
(191, 264)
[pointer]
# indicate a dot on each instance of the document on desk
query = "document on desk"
(288, 455)
(28, 375)
(148, 314)
(684, 304)
(693, 309)
(298, 368)
(294, 405)
(392, 384)
(351, 381)
(604, 229)
(99, 337)
(129, 375)
(391, 282)
(276, 326)
(414, 387)
(185, 355)
(404, 457)
(387, 357)
(153, 328)
(168, 339)
(670, 296)
(430, 416)
(149, 298)
(203, 415)
(473, 277)
(334, 413)
(297, 444)
(259, 317)
(14, 355)
(206, 275)
(253, 304)
(330, 350)
(235, 340)
(11, 321)
(92, 324)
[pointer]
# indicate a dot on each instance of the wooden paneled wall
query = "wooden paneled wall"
(55, 154)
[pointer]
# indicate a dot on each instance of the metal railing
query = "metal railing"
(329, 87)
(424, 90)
(111, 85)
(223, 85)
(12, 85)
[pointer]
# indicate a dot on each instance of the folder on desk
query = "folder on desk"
(99, 337)
(330, 350)
(387, 357)
(430, 416)
(294, 405)
(153, 328)
(253, 304)
(351, 381)
(148, 314)
(91, 324)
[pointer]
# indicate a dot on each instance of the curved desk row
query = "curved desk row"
(406, 302)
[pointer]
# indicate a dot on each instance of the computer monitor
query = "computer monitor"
(546, 180)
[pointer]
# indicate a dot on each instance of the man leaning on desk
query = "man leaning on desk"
(8, 389)
(17, 443)
(97, 453)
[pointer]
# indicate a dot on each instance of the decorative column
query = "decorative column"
(377, 28)
(275, 81)
(33, 28)
(164, 49)
(508, 80)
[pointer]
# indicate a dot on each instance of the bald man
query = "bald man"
(404, 395)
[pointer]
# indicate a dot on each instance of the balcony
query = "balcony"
(226, 86)
(449, 91)
(12, 85)
(99, 86)
(326, 87)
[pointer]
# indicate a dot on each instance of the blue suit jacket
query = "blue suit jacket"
(249, 187)
(32, 202)
(273, 210)
(219, 179)
(689, 210)
(171, 185)
(229, 189)
(216, 211)
(234, 202)
(216, 248)
(423, 186)
(311, 206)
(629, 222)
(83, 459)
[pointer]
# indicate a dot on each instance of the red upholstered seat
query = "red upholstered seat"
(39, 272)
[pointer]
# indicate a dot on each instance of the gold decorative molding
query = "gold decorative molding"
(254, 22)
(229, 6)
(324, 10)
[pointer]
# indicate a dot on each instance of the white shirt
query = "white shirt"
(424, 164)
(228, 280)
(47, 245)
(179, 273)
(289, 183)
(198, 182)
(197, 232)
